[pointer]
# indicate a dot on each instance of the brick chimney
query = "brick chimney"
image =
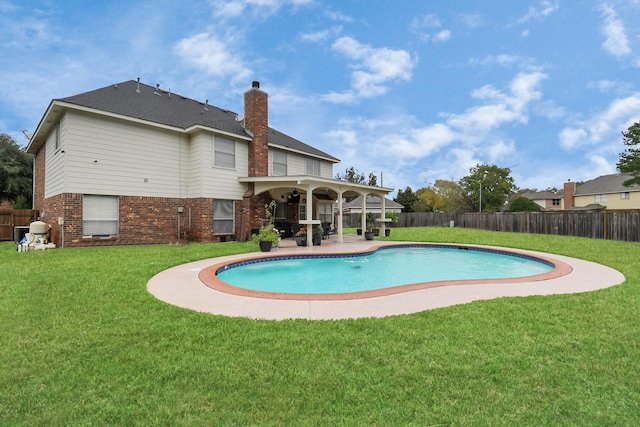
(256, 116)
(569, 191)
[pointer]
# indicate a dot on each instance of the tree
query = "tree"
(630, 158)
(444, 196)
(353, 175)
(406, 198)
(488, 187)
(524, 204)
(16, 171)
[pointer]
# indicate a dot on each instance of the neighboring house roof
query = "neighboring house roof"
(542, 195)
(589, 207)
(152, 104)
(372, 202)
(606, 184)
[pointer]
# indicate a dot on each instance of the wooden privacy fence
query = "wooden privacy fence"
(10, 218)
(603, 224)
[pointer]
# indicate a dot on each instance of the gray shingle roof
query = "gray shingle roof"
(372, 202)
(606, 184)
(171, 109)
(542, 195)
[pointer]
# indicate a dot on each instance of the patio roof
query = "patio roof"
(323, 188)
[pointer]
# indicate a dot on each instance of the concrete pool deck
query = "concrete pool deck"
(182, 286)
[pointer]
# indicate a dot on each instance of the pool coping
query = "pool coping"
(182, 286)
(209, 277)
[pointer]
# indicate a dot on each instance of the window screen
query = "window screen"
(279, 167)
(223, 217)
(313, 167)
(224, 153)
(100, 215)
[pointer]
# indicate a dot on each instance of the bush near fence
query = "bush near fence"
(603, 224)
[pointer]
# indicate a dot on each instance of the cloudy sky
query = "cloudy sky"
(415, 90)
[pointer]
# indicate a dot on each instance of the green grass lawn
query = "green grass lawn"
(83, 343)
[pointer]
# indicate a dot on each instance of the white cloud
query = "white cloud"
(613, 29)
(503, 107)
(545, 8)
(323, 35)
(258, 8)
(603, 126)
(428, 27)
(571, 137)
(211, 55)
(374, 69)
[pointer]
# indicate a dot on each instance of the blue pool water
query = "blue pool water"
(383, 268)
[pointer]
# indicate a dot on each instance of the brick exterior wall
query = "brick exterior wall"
(142, 220)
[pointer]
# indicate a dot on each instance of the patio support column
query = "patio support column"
(339, 219)
(363, 218)
(383, 211)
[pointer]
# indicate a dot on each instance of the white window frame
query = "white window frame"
(278, 163)
(223, 217)
(281, 212)
(100, 215)
(600, 198)
(625, 195)
(325, 212)
(224, 153)
(312, 166)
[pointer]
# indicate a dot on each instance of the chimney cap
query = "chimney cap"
(255, 84)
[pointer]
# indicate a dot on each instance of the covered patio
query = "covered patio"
(315, 193)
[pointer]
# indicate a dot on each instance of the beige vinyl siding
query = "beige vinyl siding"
(111, 156)
(296, 165)
(55, 160)
(613, 200)
(217, 182)
(326, 169)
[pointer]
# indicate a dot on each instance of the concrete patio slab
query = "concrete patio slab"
(182, 286)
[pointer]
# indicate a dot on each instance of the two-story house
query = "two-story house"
(132, 164)
(607, 191)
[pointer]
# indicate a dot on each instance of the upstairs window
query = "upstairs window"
(224, 154)
(624, 195)
(279, 163)
(556, 202)
(600, 198)
(313, 167)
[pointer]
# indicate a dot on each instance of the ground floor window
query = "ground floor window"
(326, 212)
(100, 215)
(281, 212)
(223, 217)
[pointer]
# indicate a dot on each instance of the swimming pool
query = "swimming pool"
(389, 269)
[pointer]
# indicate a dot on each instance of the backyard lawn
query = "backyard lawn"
(82, 342)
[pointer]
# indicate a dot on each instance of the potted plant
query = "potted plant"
(393, 216)
(317, 235)
(268, 235)
(301, 237)
(369, 233)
